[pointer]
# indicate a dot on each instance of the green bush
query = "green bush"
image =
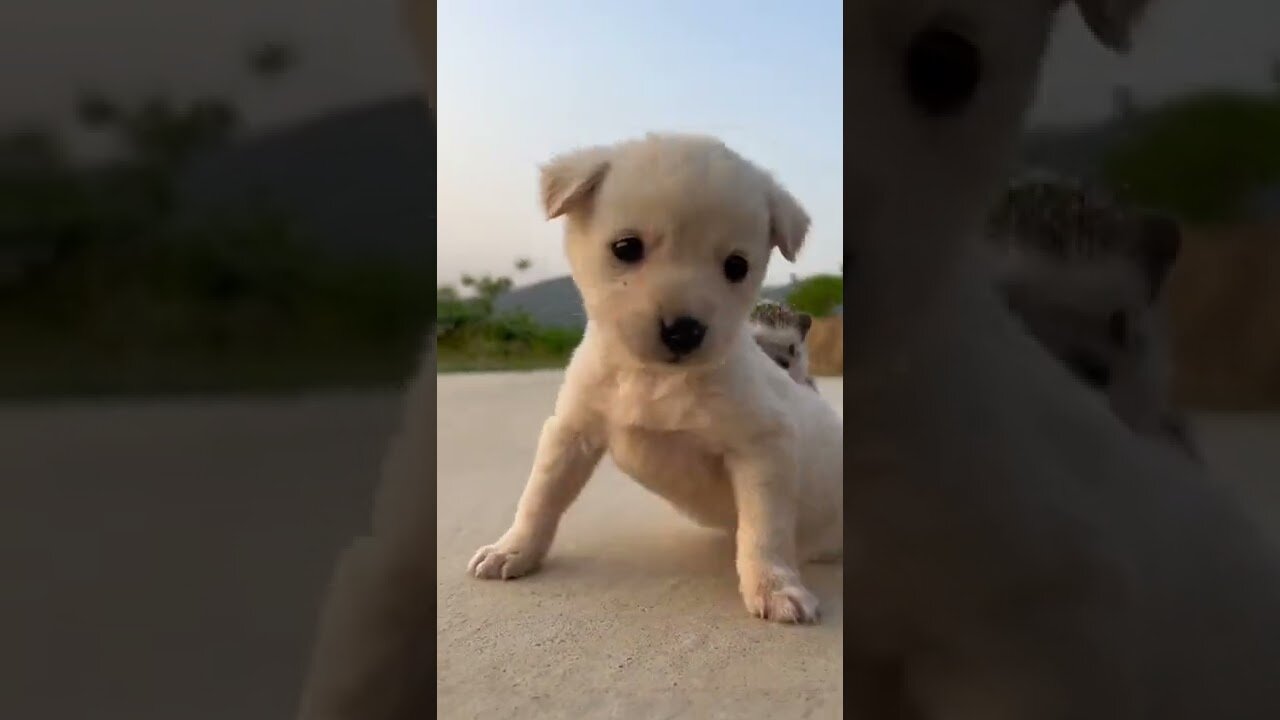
(471, 335)
(467, 337)
(818, 295)
(237, 305)
(1200, 156)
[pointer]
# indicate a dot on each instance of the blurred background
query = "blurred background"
(211, 196)
(1189, 123)
(217, 243)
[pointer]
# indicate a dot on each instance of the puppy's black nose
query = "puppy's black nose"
(683, 335)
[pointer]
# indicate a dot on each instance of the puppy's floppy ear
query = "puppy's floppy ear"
(1112, 21)
(568, 181)
(1159, 241)
(788, 222)
(806, 322)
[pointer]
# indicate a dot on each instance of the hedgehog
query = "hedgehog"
(780, 332)
(1083, 273)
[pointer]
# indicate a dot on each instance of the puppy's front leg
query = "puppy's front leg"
(764, 489)
(564, 461)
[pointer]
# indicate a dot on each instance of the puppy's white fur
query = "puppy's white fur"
(1018, 551)
(372, 653)
(722, 433)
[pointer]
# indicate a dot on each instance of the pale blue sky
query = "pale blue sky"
(519, 82)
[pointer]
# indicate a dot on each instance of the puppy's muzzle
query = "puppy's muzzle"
(683, 335)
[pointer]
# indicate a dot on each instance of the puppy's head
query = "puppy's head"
(668, 238)
(936, 91)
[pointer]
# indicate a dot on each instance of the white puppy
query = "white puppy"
(780, 332)
(1018, 552)
(668, 238)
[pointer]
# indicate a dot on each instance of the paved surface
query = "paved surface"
(635, 613)
(164, 560)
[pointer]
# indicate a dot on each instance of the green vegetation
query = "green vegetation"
(103, 290)
(1200, 156)
(242, 305)
(472, 336)
(818, 295)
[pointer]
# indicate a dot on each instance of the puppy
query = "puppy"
(780, 332)
(372, 654)
(668, 239)
(1018, 551)
(1084, 274)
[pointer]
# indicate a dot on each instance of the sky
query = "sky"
(51, 48)
(520, 81)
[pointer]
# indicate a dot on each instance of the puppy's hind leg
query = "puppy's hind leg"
(564, 462)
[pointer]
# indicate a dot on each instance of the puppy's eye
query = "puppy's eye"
(735, 268)
(942, 71)
(791, 349)
(629, 249)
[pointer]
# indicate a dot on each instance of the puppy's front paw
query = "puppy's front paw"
(503, 562)
(781, 597)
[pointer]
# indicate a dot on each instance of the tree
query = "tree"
(95, 110)
(272, 59)
(486, 289)
(1200, 156)
(818, 295)
(159, 137)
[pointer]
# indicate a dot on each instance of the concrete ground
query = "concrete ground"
(166, 559)
(635, 613)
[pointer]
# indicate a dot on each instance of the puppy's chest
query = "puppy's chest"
(658, 433)
(678, 468)
(656, 458)
(667, 438)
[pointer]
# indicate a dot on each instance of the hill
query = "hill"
(360, 180)
(556, 302)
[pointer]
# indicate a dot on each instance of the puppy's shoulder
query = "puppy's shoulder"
(589, 381)
(751, 388)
